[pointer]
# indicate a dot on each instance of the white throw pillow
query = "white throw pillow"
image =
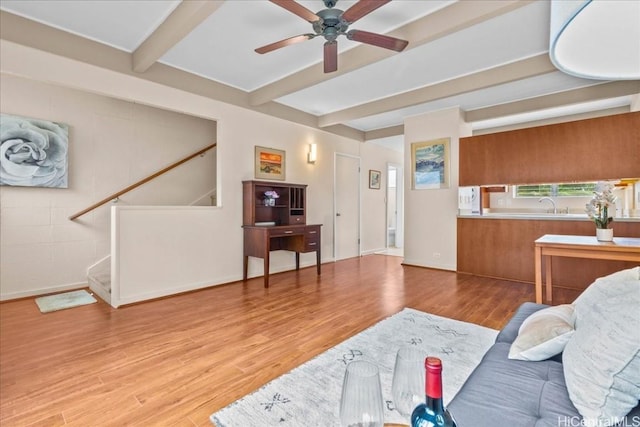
(601, 362)
(544, 334)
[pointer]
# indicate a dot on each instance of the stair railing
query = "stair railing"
(141, 182)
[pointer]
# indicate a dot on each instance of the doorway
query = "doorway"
(395, 215)
(346, 207)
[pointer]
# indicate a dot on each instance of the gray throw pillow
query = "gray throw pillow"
(601, 361)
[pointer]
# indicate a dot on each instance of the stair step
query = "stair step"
(102, 280)
(99, 278)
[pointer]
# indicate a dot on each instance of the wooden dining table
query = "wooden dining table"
(550, 245)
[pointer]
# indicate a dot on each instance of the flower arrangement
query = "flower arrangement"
(270, 197)
(598, 206)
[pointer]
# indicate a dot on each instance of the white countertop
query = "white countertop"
(542, 216)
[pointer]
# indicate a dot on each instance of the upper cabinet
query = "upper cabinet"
(585, 150)
(273, 203)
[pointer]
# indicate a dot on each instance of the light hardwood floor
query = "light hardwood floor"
(174, 361)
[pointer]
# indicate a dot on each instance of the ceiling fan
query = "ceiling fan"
(331, 23)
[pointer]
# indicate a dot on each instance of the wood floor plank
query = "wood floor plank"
(175, 361)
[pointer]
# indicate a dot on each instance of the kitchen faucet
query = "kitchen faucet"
(555, 210)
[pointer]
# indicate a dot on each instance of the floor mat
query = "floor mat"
(63, 301)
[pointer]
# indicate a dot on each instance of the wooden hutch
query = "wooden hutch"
(277, 224)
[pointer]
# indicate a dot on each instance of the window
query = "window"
(556, 190)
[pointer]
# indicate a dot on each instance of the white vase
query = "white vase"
(604, 234)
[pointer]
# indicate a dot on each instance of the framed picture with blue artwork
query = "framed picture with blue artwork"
(430, 164)
(374, 179)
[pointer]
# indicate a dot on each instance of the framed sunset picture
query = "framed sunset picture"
(269, 163)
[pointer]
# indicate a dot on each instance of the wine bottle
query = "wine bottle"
(432, 413)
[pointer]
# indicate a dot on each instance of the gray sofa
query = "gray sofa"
(506, 392)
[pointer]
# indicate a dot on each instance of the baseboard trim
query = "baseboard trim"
(43, 291)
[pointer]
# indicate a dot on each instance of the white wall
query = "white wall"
(159, 251)
(238, 130)
(430, 215)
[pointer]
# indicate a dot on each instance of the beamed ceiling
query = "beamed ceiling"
(490, 58)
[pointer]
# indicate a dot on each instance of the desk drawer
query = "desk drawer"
(311, 245)
(312, 232)
(286, 231)
(312, 238)
(297, 219)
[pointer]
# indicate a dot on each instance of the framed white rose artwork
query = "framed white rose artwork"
(33, 152)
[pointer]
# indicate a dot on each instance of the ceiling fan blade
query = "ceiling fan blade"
(298, 9)
(379, 40)
(286, 42)
(330, 56)
(362, 8)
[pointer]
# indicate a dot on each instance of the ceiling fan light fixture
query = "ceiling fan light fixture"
(330, 56)
(331, 23)
(596, 39)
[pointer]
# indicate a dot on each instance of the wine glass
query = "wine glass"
(407, 386)
(361, 403)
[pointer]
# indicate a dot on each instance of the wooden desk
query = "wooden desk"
(260, 240)
(621, 249)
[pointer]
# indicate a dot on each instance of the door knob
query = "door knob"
(338, 214)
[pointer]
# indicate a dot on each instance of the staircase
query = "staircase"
(99, 274)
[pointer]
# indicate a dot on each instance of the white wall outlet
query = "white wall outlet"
(436, 255)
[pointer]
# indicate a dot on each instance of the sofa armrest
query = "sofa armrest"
(509, 333)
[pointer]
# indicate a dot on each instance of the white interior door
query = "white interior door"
(347, 206)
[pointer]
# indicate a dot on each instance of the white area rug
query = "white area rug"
(309, 395)
(65, 300)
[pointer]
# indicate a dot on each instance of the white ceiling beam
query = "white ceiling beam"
(445, 21)
(558, 99)
(384, 132)
(521, 69)
(184, 18)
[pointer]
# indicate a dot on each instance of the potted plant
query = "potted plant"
(598, 210)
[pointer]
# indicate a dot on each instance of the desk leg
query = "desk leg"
(297, 260)
(538, 268)
(245, 268)
(548, 280)
(266, 269)
(318, 261)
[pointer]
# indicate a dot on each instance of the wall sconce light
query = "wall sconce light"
(312, 154)
(596, 39)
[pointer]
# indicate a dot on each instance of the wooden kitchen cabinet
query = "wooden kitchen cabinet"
(584, 150)
(504, 249)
